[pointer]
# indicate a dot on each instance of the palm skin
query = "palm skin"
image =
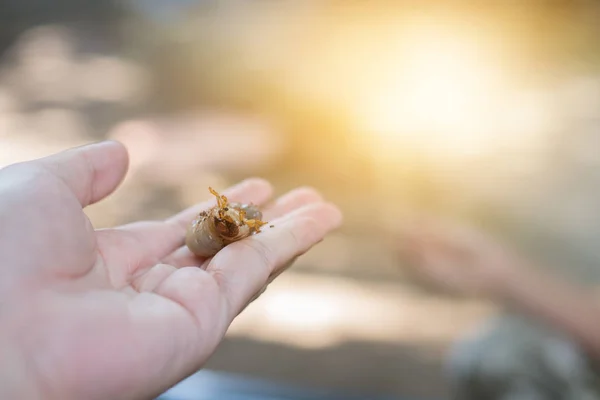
(127, 312)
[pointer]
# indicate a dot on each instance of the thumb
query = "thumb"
(92, 171)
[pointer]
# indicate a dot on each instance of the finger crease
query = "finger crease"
(262, 251)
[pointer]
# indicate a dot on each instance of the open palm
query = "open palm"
(127, 312)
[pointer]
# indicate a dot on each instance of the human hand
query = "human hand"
(126, 312)
(455, 258)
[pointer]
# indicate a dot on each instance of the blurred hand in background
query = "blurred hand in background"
(456, 258)
(464, 261)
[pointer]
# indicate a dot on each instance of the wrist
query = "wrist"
(516, 282)
(504, 275)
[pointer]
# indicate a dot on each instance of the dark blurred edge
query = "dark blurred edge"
(17, 16)
(206, 384)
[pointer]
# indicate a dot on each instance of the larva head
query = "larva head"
(226, 227)
(233, 221)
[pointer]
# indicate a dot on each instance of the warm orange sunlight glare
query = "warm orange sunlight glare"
(441, 89)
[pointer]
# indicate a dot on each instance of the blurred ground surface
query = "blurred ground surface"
(344, 317)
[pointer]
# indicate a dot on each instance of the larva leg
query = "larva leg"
(255, 224)
(221, 200)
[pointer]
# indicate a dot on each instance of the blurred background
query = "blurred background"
(487, 111)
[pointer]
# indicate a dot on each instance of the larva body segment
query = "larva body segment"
(221, 225)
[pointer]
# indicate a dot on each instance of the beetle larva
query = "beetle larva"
(225, 223)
